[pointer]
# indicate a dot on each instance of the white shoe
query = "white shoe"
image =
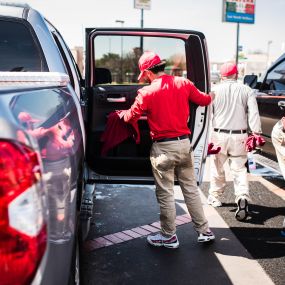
(160, 240)
(205, 237)
(213, 201)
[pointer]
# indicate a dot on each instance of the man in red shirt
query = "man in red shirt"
(166, 103)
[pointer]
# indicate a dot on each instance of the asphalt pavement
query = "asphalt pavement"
(116, 251)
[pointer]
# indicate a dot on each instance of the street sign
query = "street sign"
(239, 11)
(142, 4)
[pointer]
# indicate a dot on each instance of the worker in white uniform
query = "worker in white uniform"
(278, 140)
(234, 110)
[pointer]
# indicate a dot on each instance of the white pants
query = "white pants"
(232, 150)
(278, 140)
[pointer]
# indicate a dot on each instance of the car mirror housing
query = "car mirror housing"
(250, 80)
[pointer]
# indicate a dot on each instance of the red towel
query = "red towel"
(117, 131)
(253, 141)
(212, 150)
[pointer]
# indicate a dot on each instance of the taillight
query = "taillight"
(22, 220)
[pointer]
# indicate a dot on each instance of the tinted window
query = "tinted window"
(276, 78)
(116, 57)
(18, 48)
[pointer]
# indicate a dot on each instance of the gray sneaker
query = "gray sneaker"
(213, 201)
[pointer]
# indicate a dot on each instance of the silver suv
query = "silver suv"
(41, 151)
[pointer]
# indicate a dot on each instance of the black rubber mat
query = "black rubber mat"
(134, 262)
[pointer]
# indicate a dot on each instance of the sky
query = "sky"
(71, 17)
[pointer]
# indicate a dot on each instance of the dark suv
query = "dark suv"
(270, 98)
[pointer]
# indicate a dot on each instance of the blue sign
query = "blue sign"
(239, 11)
(239, 18)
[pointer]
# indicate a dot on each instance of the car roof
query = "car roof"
(11, 9)
(280, 58)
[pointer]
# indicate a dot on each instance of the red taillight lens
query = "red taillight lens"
(22, 224)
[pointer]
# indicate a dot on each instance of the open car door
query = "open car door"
(111, 84)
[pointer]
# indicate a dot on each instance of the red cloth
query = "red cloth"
(212, 150)
(253, 141)
(166, 103)
(117, 131)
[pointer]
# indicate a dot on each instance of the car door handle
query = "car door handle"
(281, 104)
(117, 100)
(143, 118)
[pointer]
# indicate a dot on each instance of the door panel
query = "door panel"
(272, 91)
(111, 77)
(103, 101)
(50, 117)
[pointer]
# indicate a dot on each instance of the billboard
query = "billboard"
(239, 11)
(142, 4)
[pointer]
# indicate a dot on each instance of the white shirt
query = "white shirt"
(235, 107)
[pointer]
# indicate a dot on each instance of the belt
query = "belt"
(230, 131)
(173, 139)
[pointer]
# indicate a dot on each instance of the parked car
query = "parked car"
(42, 141)
(270, 97)
(42, 137)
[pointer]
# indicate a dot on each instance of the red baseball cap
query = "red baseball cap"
(228, 69)
(148, 60)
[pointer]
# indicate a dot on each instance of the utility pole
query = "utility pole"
(267, 53)
(237, 47)
(141, 41)
(142, 5)
(122, 50)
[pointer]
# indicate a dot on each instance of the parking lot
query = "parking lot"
(116, 251)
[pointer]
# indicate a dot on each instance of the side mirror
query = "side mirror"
(250, 80)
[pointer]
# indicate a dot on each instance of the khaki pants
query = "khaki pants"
(233, 150)
(278, 140)
(170, 159)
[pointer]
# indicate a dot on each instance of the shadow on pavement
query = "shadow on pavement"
(260, 233)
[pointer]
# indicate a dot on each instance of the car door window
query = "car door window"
(111, 80)
(19, 49)
(118, 64)
(276, 77)
(68, 60)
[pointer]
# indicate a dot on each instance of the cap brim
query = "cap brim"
(140, 75)
(162, 62)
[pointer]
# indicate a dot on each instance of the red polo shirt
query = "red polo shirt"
(166, 103)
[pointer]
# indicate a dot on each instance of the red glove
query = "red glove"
(253, 141)
(260, 141)
(212, 150)
(250, 143)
